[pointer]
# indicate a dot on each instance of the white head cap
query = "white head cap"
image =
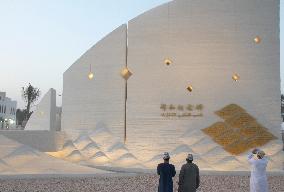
(260, 153)
(166, 155)
(189, 157)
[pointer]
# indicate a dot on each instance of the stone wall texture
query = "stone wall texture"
(208, 42)
(88, 103)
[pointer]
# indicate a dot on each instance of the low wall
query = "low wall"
(45, 141)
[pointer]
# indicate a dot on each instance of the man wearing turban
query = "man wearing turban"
(258, 178)
(167, 172)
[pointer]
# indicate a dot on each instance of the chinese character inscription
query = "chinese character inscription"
(181, 111)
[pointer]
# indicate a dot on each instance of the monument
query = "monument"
(188, 76)
(189, 59)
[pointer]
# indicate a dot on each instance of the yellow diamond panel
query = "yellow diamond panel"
(228, 138)
(237, 147)
(240, 120)
(217, 129)
(261, 138)
(252, 129)
(239, 132)
(229, 111)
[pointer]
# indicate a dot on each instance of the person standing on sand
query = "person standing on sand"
(189, 176)
(166, 171)
(258, 178)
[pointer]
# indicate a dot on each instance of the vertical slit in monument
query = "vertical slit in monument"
(125, 112)
(167, 60)
(168, 26)
(235, 76)
(125, 97)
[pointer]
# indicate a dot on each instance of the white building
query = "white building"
(8, 109)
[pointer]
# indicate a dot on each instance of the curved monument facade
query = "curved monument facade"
(205, 80)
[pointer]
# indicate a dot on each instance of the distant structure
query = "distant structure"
(42, 131)
(45, 115)
(8, 109)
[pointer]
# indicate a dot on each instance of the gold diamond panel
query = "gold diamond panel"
(229, 111)
(239, 132)
(217, 129)
(228, 138)
(240, 120)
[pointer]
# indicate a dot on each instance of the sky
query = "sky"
(40, 39)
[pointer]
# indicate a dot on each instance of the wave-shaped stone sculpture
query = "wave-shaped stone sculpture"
(16, 158)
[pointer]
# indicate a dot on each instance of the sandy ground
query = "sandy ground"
(127, 183)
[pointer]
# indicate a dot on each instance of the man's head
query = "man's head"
(189, 158)
(260, 154)
(254, 151)
(166, 157)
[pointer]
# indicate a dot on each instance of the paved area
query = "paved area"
(127, 183)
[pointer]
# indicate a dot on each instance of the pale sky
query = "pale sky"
(40, 39)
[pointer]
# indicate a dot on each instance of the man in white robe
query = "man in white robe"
(258, 178)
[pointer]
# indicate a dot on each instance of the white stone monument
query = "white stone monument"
(44, 116)
(189, 59)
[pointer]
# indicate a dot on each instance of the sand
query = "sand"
(126, 183)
